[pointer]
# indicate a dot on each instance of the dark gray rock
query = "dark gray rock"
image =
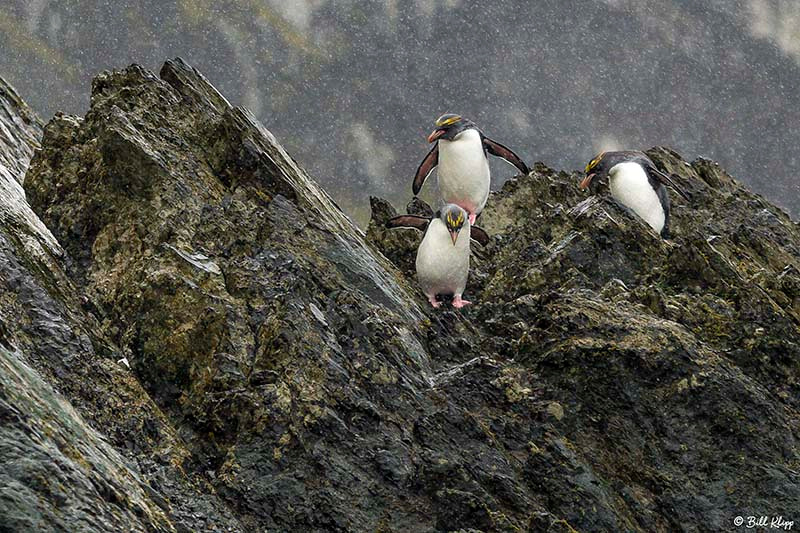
(82, 446)
(287, 377)
(21, 131)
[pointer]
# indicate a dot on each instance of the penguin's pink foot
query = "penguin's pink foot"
(472, 217)
(458, 303)
(434, 302)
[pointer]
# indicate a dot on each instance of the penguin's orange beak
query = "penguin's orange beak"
(454, 236)
(435, 134)
(586, 181)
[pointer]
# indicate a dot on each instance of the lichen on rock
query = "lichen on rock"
(287, 374)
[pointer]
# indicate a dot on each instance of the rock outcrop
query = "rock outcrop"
(82, 445)
(206, 343)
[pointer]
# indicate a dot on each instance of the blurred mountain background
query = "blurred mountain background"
(351, 88)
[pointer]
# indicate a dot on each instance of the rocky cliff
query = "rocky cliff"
(193, 337)
(351, 88)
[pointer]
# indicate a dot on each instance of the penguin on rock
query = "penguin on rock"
(443, 255)
(463, 169)
(636, 183)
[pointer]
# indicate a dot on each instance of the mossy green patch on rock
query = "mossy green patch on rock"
(286, 374)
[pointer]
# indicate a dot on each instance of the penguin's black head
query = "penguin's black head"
(598, 168)
(454, 218)
(448, 126)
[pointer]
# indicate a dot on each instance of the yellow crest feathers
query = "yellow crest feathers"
(594, 162)
(446, 120)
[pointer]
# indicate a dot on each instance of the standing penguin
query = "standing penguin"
(460, 153)
(443, 256)
(637, 184)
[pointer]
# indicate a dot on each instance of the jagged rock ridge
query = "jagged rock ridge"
(286, 377)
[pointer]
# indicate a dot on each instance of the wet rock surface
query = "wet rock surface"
(82, 445)
(663, 374)
(286, 374)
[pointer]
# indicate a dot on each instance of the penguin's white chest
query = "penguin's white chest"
(442, 268)
(629, 185)
(463, 171)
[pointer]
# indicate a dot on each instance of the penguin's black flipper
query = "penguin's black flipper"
(408, 221)
(495, 148)
(663, 197)
(425, 169)
(480, 235)
(661, 177)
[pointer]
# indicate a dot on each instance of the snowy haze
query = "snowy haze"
(351, 88)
